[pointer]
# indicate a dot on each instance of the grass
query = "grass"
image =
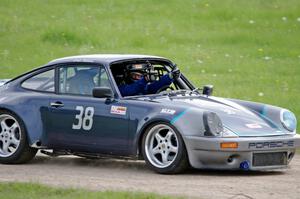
(36, 191)
(247, 49)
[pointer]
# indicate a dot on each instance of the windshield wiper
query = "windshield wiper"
(184, 92)
(170, 93)
(196, 90)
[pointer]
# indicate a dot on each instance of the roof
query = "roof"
(102, 58)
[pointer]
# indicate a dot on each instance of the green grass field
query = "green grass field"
(36, 191)
(247, 49)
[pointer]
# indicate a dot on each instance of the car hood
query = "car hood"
(239, 119)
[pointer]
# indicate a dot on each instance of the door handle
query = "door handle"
(56, 104)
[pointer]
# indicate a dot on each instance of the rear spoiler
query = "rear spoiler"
(3, 81)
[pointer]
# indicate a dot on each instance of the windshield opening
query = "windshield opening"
(147, 77)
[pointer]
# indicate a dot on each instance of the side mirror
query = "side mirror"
(102, 92)
(208, 90)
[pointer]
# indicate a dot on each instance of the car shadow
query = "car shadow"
(92, 163)
(213, 172)
(140, 166)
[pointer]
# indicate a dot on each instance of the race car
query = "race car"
(73, 106)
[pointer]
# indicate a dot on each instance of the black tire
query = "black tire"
(179, 164)
(23, 153)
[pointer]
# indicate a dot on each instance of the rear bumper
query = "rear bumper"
(207, 153)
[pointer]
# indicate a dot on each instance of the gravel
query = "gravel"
(124, 175)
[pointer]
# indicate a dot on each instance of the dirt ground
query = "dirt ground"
(110, 174)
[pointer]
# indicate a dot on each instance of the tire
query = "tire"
(14, 147)
(163, 149)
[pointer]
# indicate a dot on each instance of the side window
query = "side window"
(103, 80)
(80, 80)
(41, 82)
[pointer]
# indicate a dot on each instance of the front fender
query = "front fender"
(188, 121)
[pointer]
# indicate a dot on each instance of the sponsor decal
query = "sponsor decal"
(118, 110)
(254, 126)
(168, 111)
(273, 144)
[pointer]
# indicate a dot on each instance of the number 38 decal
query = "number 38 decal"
(84, 118)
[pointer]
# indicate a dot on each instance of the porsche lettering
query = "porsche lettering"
(275, 144)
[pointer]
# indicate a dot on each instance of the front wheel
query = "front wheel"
(163, 149)
(14, 148)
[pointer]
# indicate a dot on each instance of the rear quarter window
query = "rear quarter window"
(41, 82)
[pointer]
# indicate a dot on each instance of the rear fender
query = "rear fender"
(3, 81)
(24, 108)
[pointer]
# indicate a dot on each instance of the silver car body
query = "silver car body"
(262, 140)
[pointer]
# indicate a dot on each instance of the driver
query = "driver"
(141, 84)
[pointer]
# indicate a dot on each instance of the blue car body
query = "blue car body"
(50, 127)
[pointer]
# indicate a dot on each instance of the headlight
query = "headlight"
(288, 120)
(214, 127)
(212, 124)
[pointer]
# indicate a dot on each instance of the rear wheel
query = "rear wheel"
(14, 147)
(163, 149)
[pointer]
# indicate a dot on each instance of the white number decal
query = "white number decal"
(78, 117)
(88, 118)
(84, 121)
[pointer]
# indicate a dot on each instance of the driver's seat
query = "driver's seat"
(82, 83)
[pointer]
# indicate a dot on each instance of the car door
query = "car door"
(80, 122)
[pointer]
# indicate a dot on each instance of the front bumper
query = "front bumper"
(207, 153)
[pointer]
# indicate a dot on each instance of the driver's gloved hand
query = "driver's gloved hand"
(175, 73)
(150, 78)
(147, 77)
